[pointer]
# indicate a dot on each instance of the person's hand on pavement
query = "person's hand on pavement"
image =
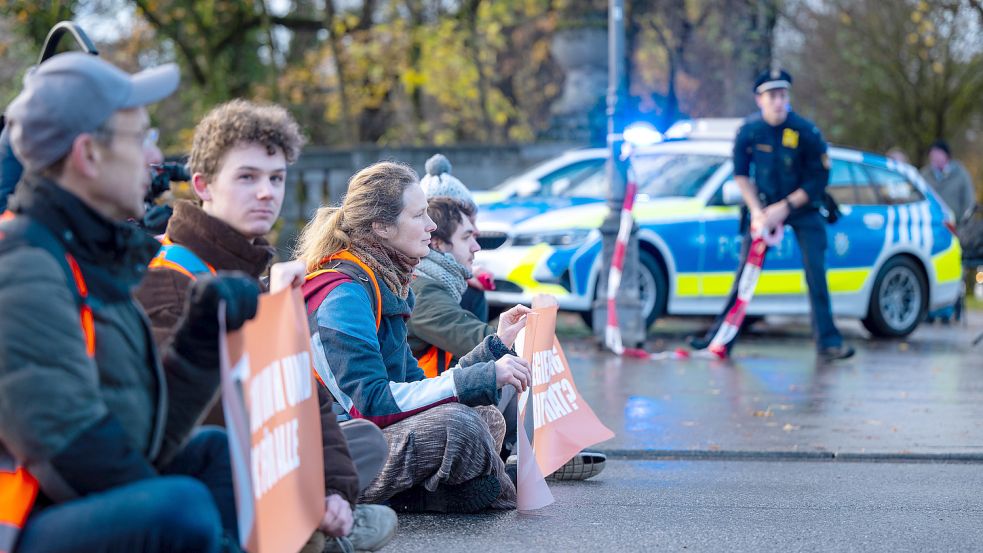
(338, 518)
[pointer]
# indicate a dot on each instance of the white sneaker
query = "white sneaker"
(584, 465)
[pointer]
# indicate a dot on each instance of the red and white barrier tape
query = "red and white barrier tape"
(612, 333)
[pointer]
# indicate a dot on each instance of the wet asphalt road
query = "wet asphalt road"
(689, 506)
(921, 396)
(767, 452)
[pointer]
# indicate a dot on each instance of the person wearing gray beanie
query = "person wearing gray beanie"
(439, 182)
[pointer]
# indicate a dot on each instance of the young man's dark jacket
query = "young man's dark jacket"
(83, 425)
(439, 320)
(163, 292)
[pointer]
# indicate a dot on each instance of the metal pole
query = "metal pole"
(628, 304)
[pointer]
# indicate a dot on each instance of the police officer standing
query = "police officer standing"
(781, 167)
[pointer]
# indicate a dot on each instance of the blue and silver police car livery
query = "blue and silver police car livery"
(891, 257)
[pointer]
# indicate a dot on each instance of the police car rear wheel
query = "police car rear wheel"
(899, 299)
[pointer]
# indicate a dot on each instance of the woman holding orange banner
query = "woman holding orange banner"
(444, 433)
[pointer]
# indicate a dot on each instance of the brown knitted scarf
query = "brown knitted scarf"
(391, 266)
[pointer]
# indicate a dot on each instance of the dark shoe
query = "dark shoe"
(512, 470)
(469, 497)
(584, 465)
(835, 353)
(698, 342)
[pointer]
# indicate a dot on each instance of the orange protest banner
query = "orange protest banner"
(271, 411)
(532, 491)
(562, 422)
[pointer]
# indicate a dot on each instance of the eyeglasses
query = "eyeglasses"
(147, 136)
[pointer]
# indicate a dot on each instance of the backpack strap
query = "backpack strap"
(181, 259)
(344, 262)
(17, 230)
(320, 283)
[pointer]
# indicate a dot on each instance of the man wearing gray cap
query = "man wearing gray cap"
(96, 444)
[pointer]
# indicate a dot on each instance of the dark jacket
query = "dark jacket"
(782, 159)
(10, 168)
(439, 321)
(83, 425)
(163, 293)
(372, 374)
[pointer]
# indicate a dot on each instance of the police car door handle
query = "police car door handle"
(874, 220)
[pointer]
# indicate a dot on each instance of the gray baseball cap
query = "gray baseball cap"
(74, 93)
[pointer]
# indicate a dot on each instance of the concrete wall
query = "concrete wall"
(320, 176)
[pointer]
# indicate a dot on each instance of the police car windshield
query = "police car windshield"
(675, 175)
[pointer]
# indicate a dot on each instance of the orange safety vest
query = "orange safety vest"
(18, 488)
(319, 283)
(435, 361)
(181, 259)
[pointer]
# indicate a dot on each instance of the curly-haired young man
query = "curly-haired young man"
(239, 159)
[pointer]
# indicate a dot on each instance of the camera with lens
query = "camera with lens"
(161, 177)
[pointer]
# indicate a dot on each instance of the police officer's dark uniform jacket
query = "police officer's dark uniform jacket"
(80, 424)
(782, 159)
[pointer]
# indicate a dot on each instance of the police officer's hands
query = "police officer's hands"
(775, 215)
(197, 335)
(757, 221)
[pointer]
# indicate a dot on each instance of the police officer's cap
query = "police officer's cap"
(770, 80)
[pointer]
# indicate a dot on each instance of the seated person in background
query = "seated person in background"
(440, 183)
(441, 330)
(239, 159)
(443, 436)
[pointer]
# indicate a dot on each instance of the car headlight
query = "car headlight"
(561, 238)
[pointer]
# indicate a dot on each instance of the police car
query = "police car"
(892, 257)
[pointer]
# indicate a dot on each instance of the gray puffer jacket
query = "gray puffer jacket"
(80, 424)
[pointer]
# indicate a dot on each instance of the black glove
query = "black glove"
(197, 335)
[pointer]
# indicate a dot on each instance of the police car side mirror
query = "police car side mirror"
(732, 193)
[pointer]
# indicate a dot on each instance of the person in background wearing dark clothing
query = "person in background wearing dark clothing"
(87, 407)
(239, 159)
(951, 181)
(441, 330)
(10, 168)
(782, 169)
